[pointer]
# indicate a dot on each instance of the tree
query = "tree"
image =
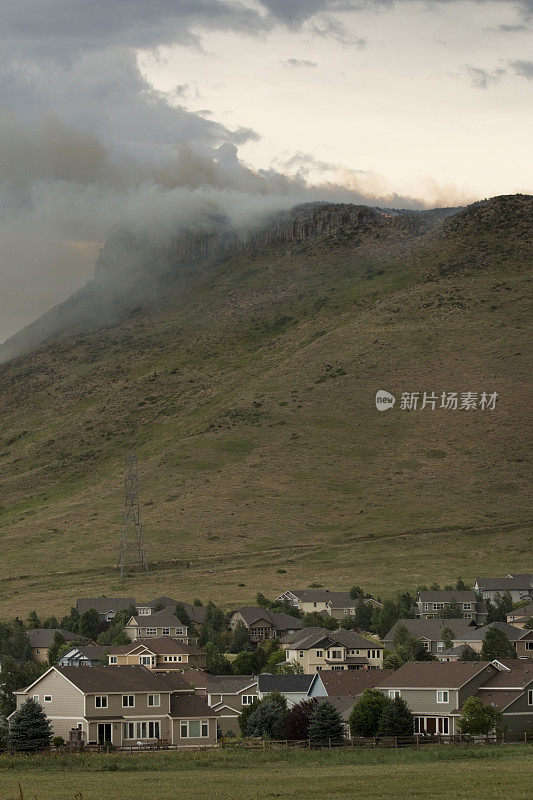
(298, 718)
(498, 610)
(14, 640)
(50, 622)
(16, 676)
(447, 636)
(241, 638)
(181, 614)
(356, 593)
(71, 621)
(262, 601)
(290, 668)
(461, 585)
(197, 603)
(268, 719)
(396, 719)
(213, 626)
(529, 623)
(275, 660)
(90, 624)
(316, 620)
(468, 654)
(363, 615)
(366, 713)
(325, 724)
(216, 662)
(451, 610)
(30, 727)
(477, 718)
(53, 650)
(384, 618)
(496, 645)
(33, 620)
(245, 714)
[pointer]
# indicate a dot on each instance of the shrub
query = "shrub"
(58, 741)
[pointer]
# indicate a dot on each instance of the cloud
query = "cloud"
(297, 62)
(328, 27)
(522, 68)
(482, 78)
(511, 28)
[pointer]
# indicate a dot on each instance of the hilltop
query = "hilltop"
(244, 370)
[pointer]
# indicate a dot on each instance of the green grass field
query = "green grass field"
(440, 773)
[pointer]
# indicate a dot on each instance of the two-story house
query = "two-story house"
(154, 626)
(196, 614)
(42, 639)
(520, 587)
(434, 691)
(430, 603)
(429, 631)
(520, 616)
(510, 690)
(520, 638)
(87, 655)
(123, 706)
(106, 607)
(162, 653)
(227, 695)
(317, 649)
(263, 623)
(335, 604)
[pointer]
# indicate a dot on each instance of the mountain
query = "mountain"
(243, 368)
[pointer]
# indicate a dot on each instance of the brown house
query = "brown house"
(227, 695)
(123, 706)
(154, 626)
(164, 653)
(42, 639)
(263, 623)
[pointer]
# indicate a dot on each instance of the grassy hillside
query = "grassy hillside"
(248, 390)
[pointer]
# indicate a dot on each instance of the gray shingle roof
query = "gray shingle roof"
(44, 637)
(312, 637)
(478, 634)
(103, 604)
(352, 682)
(229, 684)
(160, 619)
(190, 705)
(283, 683)
(92, 651)
(121, 679)
(323, 596)
(429, 628)
(281, 622)
(163, 645)
(445, 596)
(503, 584)
(434, 674)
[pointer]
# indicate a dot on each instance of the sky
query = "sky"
(153, 114)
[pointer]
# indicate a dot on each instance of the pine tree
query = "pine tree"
(468, 654)
(326, 724)
(267, 720)
(396, 719)
(30, 728)
(496, 645)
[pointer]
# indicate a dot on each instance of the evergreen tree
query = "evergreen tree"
(451, 610)
(447, 636)
(241, 638)
(16, 676)
(477, 718)
(496, 645)
(268, 719)
(33, 620)
(384, 618)
(298, 718)
(461, 585)
(468, 654)
(245, 714)
(30, 728)
(316, 620)
(216, 662)
(396, 719)
(366, 713)
(363, 615)
(90, 624)
(53, 651)
(71, 621)
(325, 724)
(213, 626)
(182, 615)
(262, 601)
(356, 593)
(197, 603)
(50, 622)
(276, 659)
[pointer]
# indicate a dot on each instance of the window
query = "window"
(47, 698)
(153, 730)
(113, 659)
(443, 725)
(128, 700)
(166, 631)
(179, 631)
(36, 698)
(467, 606)
(194, 729)
(345, 610)
(394, 693)
(140, 728)
(426, 606)
(320, 654)
(301, 654)
(418, 725)
(151, 631)
(440, 647)
(467, 616)
(337, 668)
(318, 669)
(335, 654)
(530, 697)
(128, 730)
(100, 701)
(248, 699)
(154, 700)
(314, 605)
(426, 646)
(437, 606)
(144, 612)
(145, 661)
(529, 645)
(443, 696)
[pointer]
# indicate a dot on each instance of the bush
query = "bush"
(58, 741)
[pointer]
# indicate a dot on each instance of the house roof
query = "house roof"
(322, 596)
(91, 680)
(311, 637)
(195, 677)
(229, 684)
(433, 674)
(284, 683)
(343, 705)
(103, 604)
(508, 582)
(511, 631)
(429, 628)
(195, 613)
(91, 651)
(446, 596)
(190, 705)
(518, 675)
(524, 611)
(339, 683)
(160, 619)
(499, 699)
(281, 622)
(44, 637)
(163, 645)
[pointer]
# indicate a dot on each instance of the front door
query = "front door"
(104, 733)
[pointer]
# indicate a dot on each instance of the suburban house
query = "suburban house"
(263, 623)
(84, 655)
(227, 695)
(520, 587)
(429, 604)
(346, 683)
(429, 631)
(336, 604)
(520, 638)
(510, 690)
(106, 607)
(294, 688)
(154, 626)
(42, 639)
(318, 649)
(520, 616)
(162, 653)
(435, 691)
(197, 679)
(123, 706)
(196, 614)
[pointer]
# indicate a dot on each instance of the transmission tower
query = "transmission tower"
(131, 557)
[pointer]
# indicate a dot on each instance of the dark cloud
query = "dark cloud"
(522, 68)
(297, 62)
